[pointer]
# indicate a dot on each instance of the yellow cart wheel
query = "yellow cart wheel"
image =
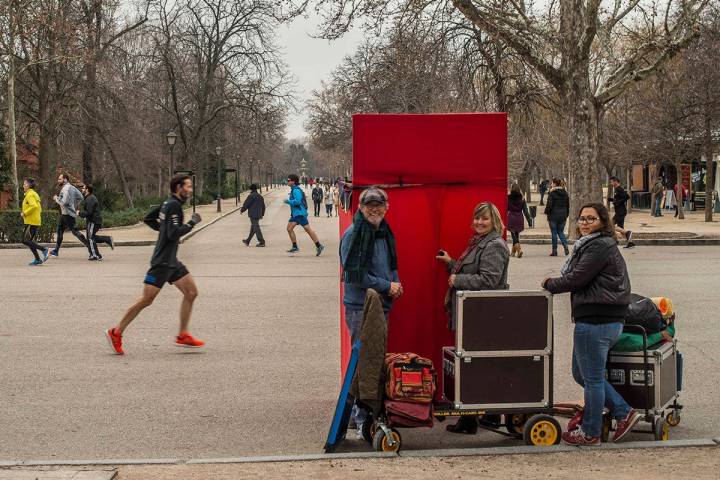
(661, 429)
(542, 430)
(673, 418)
(381, 442)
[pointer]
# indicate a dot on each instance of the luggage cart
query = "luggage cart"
(500, 369)
(649, 380)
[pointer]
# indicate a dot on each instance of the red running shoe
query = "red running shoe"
(115, 339)
(575, 421)
(186, 340)
(624, 426)
(578, 437)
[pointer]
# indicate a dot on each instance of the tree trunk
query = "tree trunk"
(679, 200)
(709, 177)
(118, 169)
(12, 147)
(585, 185)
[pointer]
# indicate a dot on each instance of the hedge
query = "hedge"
(11, 226)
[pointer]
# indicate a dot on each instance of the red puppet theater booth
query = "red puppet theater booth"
(436, 168)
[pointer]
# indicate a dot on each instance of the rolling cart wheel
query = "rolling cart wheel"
(673, 418)
(368, 428)
(661, 429)
(381, 442)
(515, 423)
(542, 430)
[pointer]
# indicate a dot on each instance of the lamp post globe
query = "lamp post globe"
(171, 137)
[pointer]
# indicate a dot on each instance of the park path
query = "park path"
(268, 379)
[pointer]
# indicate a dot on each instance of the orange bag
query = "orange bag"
(410, 378)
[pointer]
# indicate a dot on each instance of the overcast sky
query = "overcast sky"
(311, 61)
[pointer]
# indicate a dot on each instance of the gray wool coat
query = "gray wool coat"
(485, 268)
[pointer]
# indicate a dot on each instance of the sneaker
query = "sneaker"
(293, 250)
(112, 244)
(93, 258)
(114, 337)
(319, 249)
(186, 340)
(260, 244)
(35, 263)
(45, 255)
(246, 242)
(576, 421)
(625, 425)
(53, 253)
(628, 235)
(629, 245)
(358, 432)
(578, 437)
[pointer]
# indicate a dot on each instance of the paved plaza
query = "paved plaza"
(267, 382)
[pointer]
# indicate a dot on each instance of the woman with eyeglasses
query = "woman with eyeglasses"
(482, 266)
(597, 278)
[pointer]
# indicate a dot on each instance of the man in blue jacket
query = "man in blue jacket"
(369, 259)
(298, 215)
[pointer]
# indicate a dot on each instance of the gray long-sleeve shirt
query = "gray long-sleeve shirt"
(68, 199)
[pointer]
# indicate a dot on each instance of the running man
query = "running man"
(69, 198)
(93, 223)
(298, 215)
(31, 215)
(164, 266)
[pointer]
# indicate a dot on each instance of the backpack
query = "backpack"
(304, 199)
(409, 378)
(642, 311)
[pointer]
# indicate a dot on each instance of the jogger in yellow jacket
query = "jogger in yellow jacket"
(31, 215)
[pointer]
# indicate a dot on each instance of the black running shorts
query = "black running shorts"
(161, 274)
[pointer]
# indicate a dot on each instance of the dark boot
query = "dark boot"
(466, 424)
(567, 250)
(553, 253)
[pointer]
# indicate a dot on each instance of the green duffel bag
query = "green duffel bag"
(633, 342)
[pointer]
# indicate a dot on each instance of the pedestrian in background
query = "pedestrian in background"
(557, 211)
(542, 189)
(317, 198)
(681, 194)
(619, 201)
(254, 204)
(32, 219)
(597, 278)
(517, 209)
(93, 223)
(336, 198)
(298, 216)
(657, 190)
(329, 201)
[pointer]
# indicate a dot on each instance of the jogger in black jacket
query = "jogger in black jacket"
(164, 266)
(93, 223)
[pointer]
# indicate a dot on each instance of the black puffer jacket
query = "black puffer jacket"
(557, 208)
(598, 280)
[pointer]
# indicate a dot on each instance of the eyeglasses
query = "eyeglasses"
(587, 220)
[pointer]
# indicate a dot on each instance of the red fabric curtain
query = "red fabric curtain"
(436, 168)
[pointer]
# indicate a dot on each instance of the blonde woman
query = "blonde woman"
(482, 266)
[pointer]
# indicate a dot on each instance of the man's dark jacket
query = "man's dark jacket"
(598, 280)
(619, 200)
(91, 210)
(557, 208)
(255, 205)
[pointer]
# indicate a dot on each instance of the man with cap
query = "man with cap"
(369, 260)
(255, 206)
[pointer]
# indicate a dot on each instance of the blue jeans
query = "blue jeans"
(656, 209)
(557, 229)
(590, 350)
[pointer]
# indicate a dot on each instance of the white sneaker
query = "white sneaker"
(358, 432)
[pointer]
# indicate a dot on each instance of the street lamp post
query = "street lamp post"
(218, 151)
(171, 137)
